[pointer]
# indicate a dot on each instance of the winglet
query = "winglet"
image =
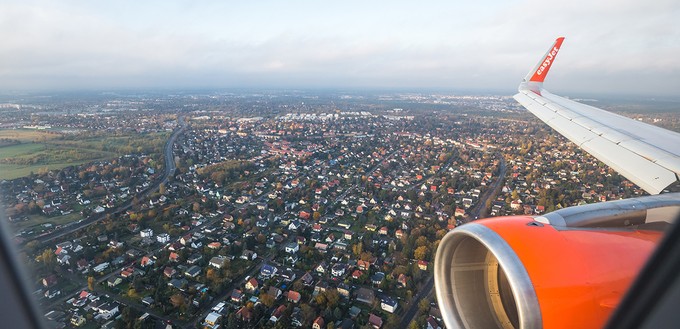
(534, 80)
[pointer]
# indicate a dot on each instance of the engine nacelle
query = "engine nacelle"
(524, 272)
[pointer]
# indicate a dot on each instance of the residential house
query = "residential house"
(307, 279)
(212, 320)
(274, 292)
(389, 304)
(218, 261)
(252, 285)
(248, 255)
(146, 233)
(322, 268)
(179, 284)
(338, 270)
(346, 324)
(344, 290)
(320, 287)
(268, 271)
(375, 321)
(365, 295)
(294, 225)
(348, 235)
(363, 265)
(321, 247)
(287, 275)
(377, 278)
(82, 264)
(236, 296)
(402, 280)
(432, 323)
(194, 258)
(49, 280)
(193, 271)
(278, 312)
(114, 281)
(319, 323)
(292, 248)
(169, 271)
(294, 296)
(146, 261)
(245, 314)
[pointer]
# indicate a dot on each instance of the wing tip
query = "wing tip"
(542, 68)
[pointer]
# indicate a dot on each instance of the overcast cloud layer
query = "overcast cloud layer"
(612, 46)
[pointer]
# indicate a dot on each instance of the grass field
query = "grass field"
(27, 135)
(22, 159)
(40, 150)
(35, 220)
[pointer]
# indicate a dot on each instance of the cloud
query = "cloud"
(611, 45)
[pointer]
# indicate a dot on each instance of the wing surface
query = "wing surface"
(647, 155)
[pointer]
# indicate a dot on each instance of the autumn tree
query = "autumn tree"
(421, 253)
(177, 300)
(266, 299)
(90, 283)
(48, 259)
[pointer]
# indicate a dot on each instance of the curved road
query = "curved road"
(169, 169)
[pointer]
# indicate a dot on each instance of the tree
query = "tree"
(266, 299)
(90, 283)
(393, 321)
(161, 188)
(423, 306)
(177, 300)
(421, 253)
(332, 297)
(48, 259)
(358, 248)
(308, 314)
(321, 299)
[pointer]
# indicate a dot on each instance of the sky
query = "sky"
(611, 47)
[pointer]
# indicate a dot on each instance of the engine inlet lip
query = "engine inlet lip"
(522, 289)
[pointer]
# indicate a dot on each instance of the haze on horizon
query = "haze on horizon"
(612, 46)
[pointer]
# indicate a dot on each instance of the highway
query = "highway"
(169, 169)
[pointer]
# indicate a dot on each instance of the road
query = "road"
(169, 169)
(479, 211)
(425, 292)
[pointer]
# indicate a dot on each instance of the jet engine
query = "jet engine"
(565, 269)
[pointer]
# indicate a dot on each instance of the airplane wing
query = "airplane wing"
(647, 155)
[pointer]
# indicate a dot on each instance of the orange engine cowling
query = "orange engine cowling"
(528, 272)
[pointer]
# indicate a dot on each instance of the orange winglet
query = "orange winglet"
(542, 69)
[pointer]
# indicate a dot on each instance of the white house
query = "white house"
(146, 233)
(163, 238)
(389, 304)
(292, 248)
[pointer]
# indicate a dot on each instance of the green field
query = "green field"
(27, 135)
(22, 159)
(36, 220)
(27, 151)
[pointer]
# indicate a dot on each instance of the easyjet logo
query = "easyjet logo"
(548, 60)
